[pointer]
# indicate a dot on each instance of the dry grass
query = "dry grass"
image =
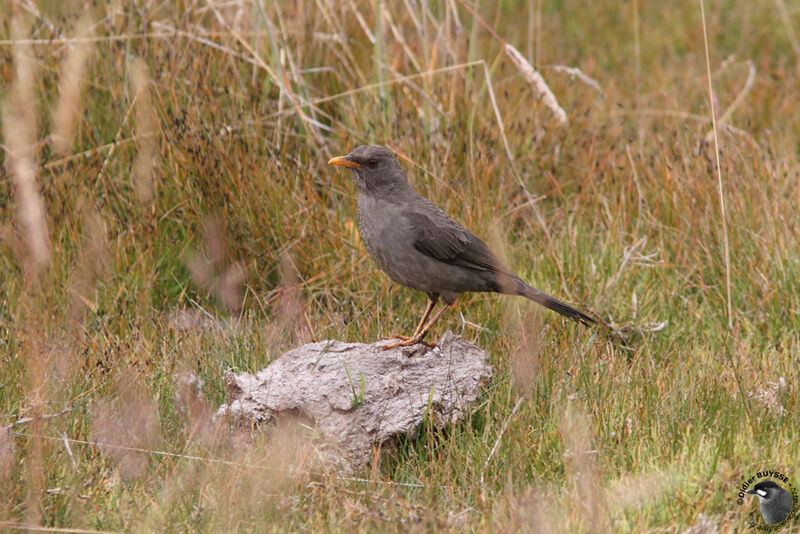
(165, 208)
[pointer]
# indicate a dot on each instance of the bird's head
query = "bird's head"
(374, 168)
(765, 490)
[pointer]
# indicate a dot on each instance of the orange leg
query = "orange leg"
(420, 334)
(428, 310)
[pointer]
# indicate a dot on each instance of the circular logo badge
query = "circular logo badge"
(777, 499)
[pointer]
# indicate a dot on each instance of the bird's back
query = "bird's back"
(418, 245)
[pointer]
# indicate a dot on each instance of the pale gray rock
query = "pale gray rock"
(358, 395)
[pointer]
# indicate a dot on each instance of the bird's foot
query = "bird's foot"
(408, 341)
(399, 336)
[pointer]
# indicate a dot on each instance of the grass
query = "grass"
(165, 207)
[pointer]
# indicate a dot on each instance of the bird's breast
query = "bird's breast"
(385, 231)
(389, 236)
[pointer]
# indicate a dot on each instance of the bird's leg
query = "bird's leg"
(421, 333)
(428, 310)
(425, 329)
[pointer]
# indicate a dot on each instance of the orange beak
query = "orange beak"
(342, 161)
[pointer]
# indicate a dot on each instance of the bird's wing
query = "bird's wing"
(440, 237)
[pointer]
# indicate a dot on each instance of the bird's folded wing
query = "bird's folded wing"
(441, 238)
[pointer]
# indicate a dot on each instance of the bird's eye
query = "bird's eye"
(372, 162)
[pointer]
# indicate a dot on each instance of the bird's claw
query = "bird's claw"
(408, 341)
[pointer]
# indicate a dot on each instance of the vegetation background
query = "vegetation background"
(165, 207)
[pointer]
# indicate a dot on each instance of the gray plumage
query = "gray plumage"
(774, 501)
(414, 242)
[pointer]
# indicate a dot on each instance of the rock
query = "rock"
(358, 395)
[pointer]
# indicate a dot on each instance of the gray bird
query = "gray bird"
(775, 502)
(414, 242)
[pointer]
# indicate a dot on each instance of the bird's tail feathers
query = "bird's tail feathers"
(552, 303)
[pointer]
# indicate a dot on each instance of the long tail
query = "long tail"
(553, 303)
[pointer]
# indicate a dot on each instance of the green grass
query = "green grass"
(256, 237)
